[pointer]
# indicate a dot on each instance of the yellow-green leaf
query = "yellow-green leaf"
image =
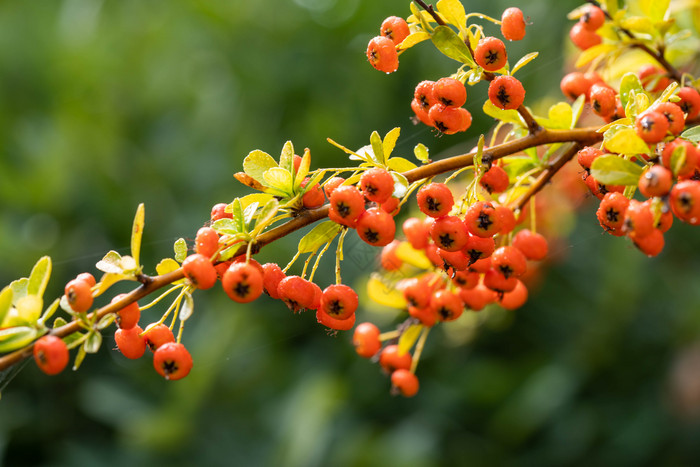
(287, 157)
(278, 178)
(5, 302)
(257, 163)
(377, 148)
(303, 169)
(137, 232)
(638, 25)
(692, 134)
(400, 185)
(449, 43)
(49, 311)
(626, 141)
(421, 152)
(413, 39)
(16, 337)
(187, 307)
(167, 265)
(453, 11)
(180, 248)
(39, 277)
(508, 116)
(267, 212)
(79, 357)
(384, 294)
(654, 9)
(19, 288)
(400, 164)
(29, 308)
(409, 255)
(630, 82)
(409, 337)
(678, 158)
(560, 115)
(111, 263)
(610, 169)
(389, 142)
(593, 53)
(318, 236)
(524, 61)
(577, 109)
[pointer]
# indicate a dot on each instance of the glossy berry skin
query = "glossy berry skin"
(296, 292)
(388, 258)
(506, 92)
(656, 181)
(466, 279)
(218, 211)
(689, 162)
(449, 120)
(449, 233)
(592, 18)
(453, 260)
(391, 360)
(51, 354)
(685, 201)
(421, 113)
(366, 340)
(206, 242)
(79, 295)
(130, 342)
(242, 282)
(313, 198)
(652, 244)
(587, 155)
(478, 297)
(405, 382)
(332, 323)
(575, 84)
(424, 94)
(330, 186)
(435, 199)
(495, 180)
(127, 317)
(377, 185)
(690, 101)
(87, 277)
(376, 227)
(382, 54)
(495, 280)
(611, 212)
(599, 189)
(316, 304)
(391, 206)
(531, 244)
(478, 248)
(639, 220)
(653, 78)
(584, 38)
(417, 293)
(395, 28)
(651, 126)
(447, 305)
(674, 115)
(602, 99)
(346, 204)
(450, 92)
(157, 336)
(339, 301)
(416, 232)
(481, 220)
(200, 271)
(506, 218)
(172, 361)
(510, 261)
(513, 24)
(272, 276)
(515, 298)
(490, 54)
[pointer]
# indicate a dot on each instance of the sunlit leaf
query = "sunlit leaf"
(577, 109)
(389, 142)
(384, 294)
(267, 212)
(692, 134)
(421, 152)
(93, 342)
(249, 212)
(409, 255)
(625, 141)
(377, 148)
(449, 43)
(19, 288)
(29, 308)
(654, 9)
(166, 266)
(279, 178)
(638, 24)
(560, 115)
(287, 158)
(610, 169)
(319, 236)
(111, 263)
(106, 321)
(409, 337)
(524, 61)
(508, 116)
(39, 277)
(16, 337)
(180, 248)
(413, 39)
(400, 185)
(678, 158)
(630, 82)
(79, 357)
(592, 53)
(238, 217)
(453, 11)
(400, 164)
(5, 302)
(137, 232)
(257, 163)
(187, 307)
(303, 170)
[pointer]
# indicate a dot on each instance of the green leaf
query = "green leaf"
(386, 295)
(79, 357)
(560, 115)
(610, 169)
(610, 6)
(303, 169)
(257, 163)
(389, 142)
(413, 39)
(409, 337)
(318, 236)
(111, 263)
(678, 158)
(421, 152)
(577, 109)
(593, 53)
(638, 25)
(93, 342)
(453, 11)
(400, 185)
(625, 141)
(106, 321)
(187, 307)
(238, 217)
(29, 308)
(180, 248)
(226, 226)
(449, 43)
(19, 288)
(267, 212)
(5, 302)
(39, 277)
(49, 312)
(654, 9)
(400, 164)
(630, 82)
(377, 148)
(58, 322)
(16, 338)
(249, 213)
(280, 179)
(287, 158)
(137, 232)
(508, 116)
(516, 166)
(524, 61)
(692, 134)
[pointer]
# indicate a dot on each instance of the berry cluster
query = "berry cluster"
(583, 33)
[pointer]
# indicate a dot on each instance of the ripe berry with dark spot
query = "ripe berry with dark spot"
(272, 276)
(611, 212)
(690, 101)
(454, 260)
(656, 181)
(377, 184)
(330, 186)
(313, 198)
(127, 317)
(532, 244)
(421, 113)
(449, 120)
(391, 360)
(405, 382)
(51, 354)
(157, 336)
(130, 342)
(599, 189)
(339, 301)
(416, 232)
(495, 180)
(575, 84)
(513, 24)
(506, 217)
(376, 227)
(584, 38)
(478, 248)
(478, 297)
(686, 160)
(495, 280)
(602, 99)
(587, 155)
(685, 201)
(510, 261)
(242, 282)
(674, 115)
(651, 244)
(346, 204)
(366, 340)
(639, 220)
(395, 28)
(382, 54)
(435, 199)
(466, 279)
(447, 305)
(515, 298)
(172, 361)
(450, 92)
(200, 271)
(417, 293)
(79, 295)
(425, 94)
(296, 292)
(592, 18)
(490, 54)
(335, 324)
(481, 220)
(449, 233)
(506, 92)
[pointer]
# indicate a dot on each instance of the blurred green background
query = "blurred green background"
(106, 104)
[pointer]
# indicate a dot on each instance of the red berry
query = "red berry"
(416, 232)
(377, 184)
(206, 242)
(575, 84)
(391, 360)
(296, 162)
(218, 211)
(651, 126)
(456, 260)
(339, 301)
(611, 212)
(592, 18)
(130, 342)
(87, 277)
(347, 204)
(653, 78)
(336, 324)
(435, 199)
(533, 245)
(490, 54)
(651, 244)
(686, 157)
(495, 280)
(665, 221)
(587, 155)
(481, 220)
(656, 181)
(296, 292)
(685, 201)
(382, 55)
(513, 24)
(51, 354)
(395, 28)
(313, 197)
(506, 218)
(388, 258)
(510, 261)
(391, 206)
(690, 102)
(366, 340)
(584, 38)
(158, 335)
(506, 92)
(447, 305)
(417, 293)
(405, 382)
(450, 92)
(316, 304)
(478, 248)
(478, 297)
(421, 113)
(272, 276)
(639, 220)
(598, 189)
(424, 94)
(466, 279)
(515, 298)
(449, 233)
(376, 227)
(495, 180)
(200, 271)
(330, 186)
(172, 361)
(674, 115)
(602, 99)
(127, 317)
(449, 120)
(242, 282)
(79, 295)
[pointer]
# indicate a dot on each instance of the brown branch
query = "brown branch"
(431, 11)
